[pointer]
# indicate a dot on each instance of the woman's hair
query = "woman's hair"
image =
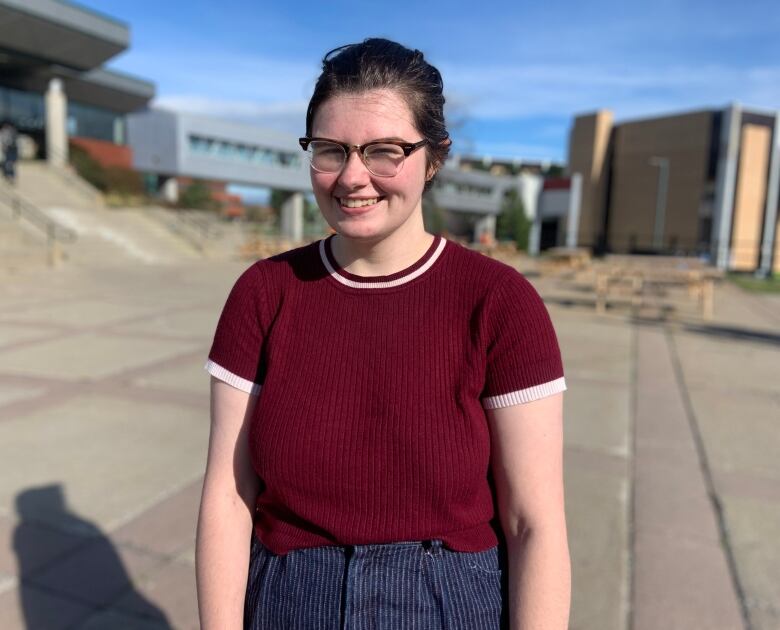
(376, 64)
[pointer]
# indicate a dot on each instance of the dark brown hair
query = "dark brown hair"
(377, 64)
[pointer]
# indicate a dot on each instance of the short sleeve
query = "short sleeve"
(235, 355)
(523, 357)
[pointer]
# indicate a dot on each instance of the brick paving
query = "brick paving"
(672, 472)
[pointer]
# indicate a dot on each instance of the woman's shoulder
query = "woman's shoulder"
(474, 265)
(287, 264)
(266, 276)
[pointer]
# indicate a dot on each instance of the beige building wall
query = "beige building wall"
(776, 257)
(685, 141)
(588, 147)
(750, 197)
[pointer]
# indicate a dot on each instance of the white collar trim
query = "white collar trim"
(381, 284)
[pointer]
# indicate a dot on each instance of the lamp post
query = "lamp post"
(660, 199)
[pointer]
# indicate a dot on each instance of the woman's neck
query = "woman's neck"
(380, 258)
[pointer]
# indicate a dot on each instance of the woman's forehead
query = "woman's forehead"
(374, 114)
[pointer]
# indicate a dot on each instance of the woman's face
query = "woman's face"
(396, 201)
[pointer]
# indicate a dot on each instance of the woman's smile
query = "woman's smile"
(358, 205)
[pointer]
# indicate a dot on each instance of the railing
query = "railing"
(22, 209)
(196, 227)
(202, 222)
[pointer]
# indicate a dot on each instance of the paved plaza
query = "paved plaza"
(671, 429)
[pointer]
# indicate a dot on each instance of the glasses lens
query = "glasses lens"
(327, 157)
(384, 160)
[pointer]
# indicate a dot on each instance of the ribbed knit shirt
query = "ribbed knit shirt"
(370, 424)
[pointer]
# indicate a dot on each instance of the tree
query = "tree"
(512, 223)
(554, 170)
(433, 216)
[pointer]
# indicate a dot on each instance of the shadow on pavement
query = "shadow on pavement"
(735, 333)
(74, 563)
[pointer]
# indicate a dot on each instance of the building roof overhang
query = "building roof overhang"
(60, 33)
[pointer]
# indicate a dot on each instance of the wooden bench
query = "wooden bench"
(558, 259)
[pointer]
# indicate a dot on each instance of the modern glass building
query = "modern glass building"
(52, 83)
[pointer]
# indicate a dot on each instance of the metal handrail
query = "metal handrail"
(200, 221)
(197, 229)
(55, 233)
(21, 208)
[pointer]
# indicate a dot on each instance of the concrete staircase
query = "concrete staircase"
(21, 246)
(110, 236)
(120, 236)
(213, 237)
(106, 236)
(45, 186)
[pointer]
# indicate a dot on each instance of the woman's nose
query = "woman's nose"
(354, 172)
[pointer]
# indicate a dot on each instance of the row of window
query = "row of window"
(27, 111)
(24, 109)
(92, 122)
(460, 188)
(251, 154)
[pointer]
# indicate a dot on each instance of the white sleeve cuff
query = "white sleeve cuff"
(217, 371)
(525, 395)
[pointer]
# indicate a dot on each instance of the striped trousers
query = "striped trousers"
(398, 586)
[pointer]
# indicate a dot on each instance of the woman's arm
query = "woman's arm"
(227, 505)
(527, 464)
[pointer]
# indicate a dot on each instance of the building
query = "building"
(697, 183)
(176, 147)
(173, 146)
(53, 86)
(505, 166)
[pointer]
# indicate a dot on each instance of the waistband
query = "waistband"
(430, 546)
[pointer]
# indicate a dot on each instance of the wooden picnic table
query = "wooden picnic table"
(639, 276)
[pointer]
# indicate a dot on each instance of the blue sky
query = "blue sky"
(514, 73)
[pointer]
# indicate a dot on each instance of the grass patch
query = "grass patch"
(758, 285)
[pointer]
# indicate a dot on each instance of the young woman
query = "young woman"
(386, 432)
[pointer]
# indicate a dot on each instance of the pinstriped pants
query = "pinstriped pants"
(398, 586)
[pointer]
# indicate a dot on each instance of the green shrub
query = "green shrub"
(88, 168)
(198, 197)
(114, 180)
(123, 181)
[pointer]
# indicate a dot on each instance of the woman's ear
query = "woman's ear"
(434, 167)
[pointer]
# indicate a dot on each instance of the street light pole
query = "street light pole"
(660, 200)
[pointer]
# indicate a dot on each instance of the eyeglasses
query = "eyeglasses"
(383, 158)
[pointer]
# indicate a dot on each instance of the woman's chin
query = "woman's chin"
(350, 228)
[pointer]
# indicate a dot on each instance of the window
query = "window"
(24, 109)
(94, 122)
(241, 152)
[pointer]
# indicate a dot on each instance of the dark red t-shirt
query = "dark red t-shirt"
(370, 425)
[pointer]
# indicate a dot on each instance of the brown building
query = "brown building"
(698, 183)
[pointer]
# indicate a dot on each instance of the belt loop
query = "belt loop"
(430, 546)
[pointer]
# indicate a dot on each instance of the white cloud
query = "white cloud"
(273, 90)
(564, 89)
(511, 150)
(225, 75)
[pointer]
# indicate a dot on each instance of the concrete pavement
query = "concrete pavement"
(672, 474)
